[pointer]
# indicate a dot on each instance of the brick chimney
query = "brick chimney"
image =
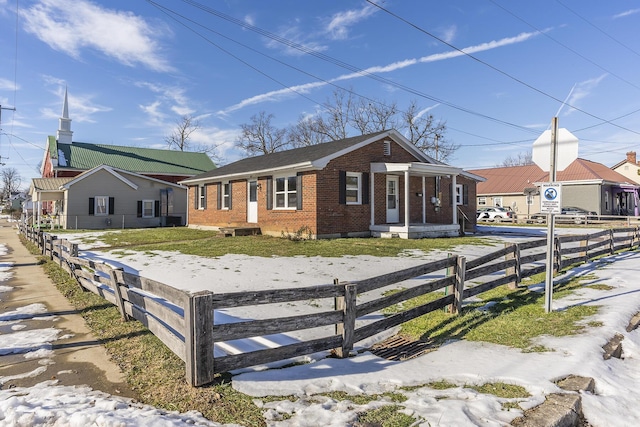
(631, 157)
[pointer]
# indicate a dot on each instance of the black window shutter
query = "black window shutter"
(342, 187)
(196, 196)
(92, 206)
(465, 194)
(365, 188)
(204, 190)
(219, 199)
(269, 193)
(112, 205)
(156, 208)
(299, 192)
(230, 195)
(139, 213)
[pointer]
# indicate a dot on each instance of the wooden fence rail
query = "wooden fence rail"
(184, 321)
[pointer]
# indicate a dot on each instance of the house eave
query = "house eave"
(299, 167)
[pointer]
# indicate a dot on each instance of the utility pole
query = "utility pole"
(3, 108)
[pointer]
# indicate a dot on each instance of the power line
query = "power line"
(496, 69)
(336, 62)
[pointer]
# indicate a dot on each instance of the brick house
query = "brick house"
(377, 185)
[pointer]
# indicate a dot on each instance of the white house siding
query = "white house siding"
(125, 197)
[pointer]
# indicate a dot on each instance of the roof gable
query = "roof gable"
(119, 174)
(311, 157)
(85, 156)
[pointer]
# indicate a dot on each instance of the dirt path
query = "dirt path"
(77, 358)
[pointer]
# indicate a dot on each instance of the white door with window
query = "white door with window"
(393, 199)
(252, 207)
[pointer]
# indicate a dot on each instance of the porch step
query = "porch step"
(240, 231)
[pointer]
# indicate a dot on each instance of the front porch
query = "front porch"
(414, 231)
(396, 224)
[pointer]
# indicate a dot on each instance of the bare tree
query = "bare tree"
(180, 137)
(261, 137)
(426, 133)
(306, 132)
(373, 116)
(521, 159)
(11, 181)
(335, 122)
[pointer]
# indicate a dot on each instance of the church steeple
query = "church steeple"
(65, 134)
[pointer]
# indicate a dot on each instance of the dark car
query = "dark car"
(570, 214)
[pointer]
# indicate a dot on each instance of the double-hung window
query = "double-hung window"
(354, 188)
(226, 196)
(201, 197)
(101, 205)
(148, 208)
(286, 196)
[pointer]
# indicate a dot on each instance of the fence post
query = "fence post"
(557, 257)
(611, 242)
(458, 289)
(118, 293)
(53, 238)
(450, 271)
(198, 338)
(347, 328)
(513, 255)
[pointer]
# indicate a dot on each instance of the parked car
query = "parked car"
(571, 215)
(496, 213)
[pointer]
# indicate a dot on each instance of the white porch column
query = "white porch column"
(372, 198)
(406, 200)
(455, 205)
(424, 199)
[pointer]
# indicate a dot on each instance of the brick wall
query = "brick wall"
(322, 214)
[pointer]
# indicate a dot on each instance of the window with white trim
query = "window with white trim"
(101, 205)
(497, 201)
(286, 192)
(458, 194)
(482, 201)
(201, 197)
(226, 195)
(354, 188)
(148, 208)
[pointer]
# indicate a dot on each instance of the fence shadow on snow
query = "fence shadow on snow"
(184, 321)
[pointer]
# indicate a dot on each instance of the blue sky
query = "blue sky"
(133, 68)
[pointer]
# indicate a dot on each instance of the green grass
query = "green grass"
(209, 244)
(515, 319)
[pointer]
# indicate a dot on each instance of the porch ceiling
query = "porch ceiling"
(415, 168)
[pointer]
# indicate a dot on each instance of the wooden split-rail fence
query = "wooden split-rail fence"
(184, 321)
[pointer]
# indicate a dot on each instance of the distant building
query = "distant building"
(629, 167)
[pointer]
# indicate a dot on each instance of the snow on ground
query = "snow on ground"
(460, 362)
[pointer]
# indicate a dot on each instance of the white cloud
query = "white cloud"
(626, 13)
(449, 33)
(277, 95)
(582, 90)
(297, 37)
(338, 26)
(6, 84)
(119, 35)
(168, 98)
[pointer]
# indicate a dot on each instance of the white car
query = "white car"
(494, 214)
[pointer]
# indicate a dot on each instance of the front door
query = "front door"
(393, 199)
(252, 204)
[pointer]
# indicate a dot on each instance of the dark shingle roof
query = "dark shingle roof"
(84, 156)
(286, 158)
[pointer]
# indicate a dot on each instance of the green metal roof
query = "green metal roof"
(84, 156)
